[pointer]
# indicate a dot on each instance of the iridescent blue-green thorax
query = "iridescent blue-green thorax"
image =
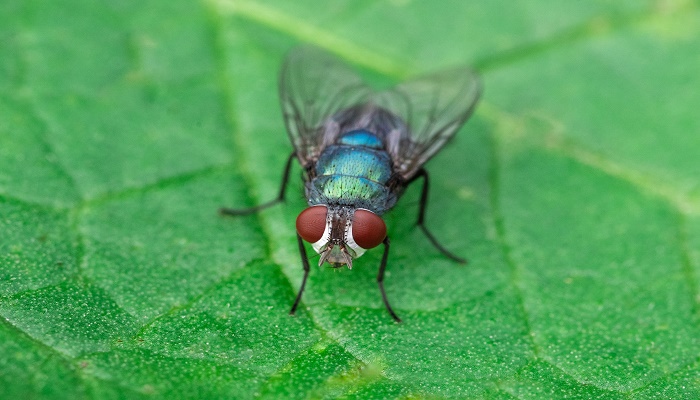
(353, 172)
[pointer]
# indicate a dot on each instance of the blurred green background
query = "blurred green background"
(573, 191)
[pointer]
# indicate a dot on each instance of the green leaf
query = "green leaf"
(573, 191)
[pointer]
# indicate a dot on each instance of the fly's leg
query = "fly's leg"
(305, 263)
(380, 280)
(422, 173)
(279, 199)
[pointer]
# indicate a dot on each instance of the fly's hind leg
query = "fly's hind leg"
(380, 280)
(279, 199)
(422, 173)
(305, 264)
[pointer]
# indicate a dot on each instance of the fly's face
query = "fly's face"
(340, 234)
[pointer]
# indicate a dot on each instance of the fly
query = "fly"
(359, 149)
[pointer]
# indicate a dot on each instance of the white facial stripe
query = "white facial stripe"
(324, 238)
(350, 242)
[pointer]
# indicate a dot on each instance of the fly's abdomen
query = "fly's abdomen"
(353, 172)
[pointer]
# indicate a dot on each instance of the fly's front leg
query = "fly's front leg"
(421, 217)
(380, 280)
(279, 199)
(305, 263)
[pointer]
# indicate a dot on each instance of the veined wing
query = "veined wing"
(433, 108)
(314, 86)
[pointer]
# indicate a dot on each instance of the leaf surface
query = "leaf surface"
(573, 192)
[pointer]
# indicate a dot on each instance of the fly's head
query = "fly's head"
(340, 233)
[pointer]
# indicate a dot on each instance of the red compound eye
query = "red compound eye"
(311, 223)
(368, 229)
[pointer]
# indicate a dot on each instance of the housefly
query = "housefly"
(359, 149)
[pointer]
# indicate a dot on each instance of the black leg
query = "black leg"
(279, 199)
(421, 217)
(380, 280)
(305, 263)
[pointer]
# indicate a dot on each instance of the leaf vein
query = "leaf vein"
(302, 30)
(494, 179)
(599, 26)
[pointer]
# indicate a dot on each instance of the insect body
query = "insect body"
(360, 149)
(349, 183)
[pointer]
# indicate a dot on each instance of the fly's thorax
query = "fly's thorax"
(355, 160)
(350, 191)
(340, 233)
(353, 172)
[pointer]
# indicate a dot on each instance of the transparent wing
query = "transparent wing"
(314, 86)
(433, 108)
